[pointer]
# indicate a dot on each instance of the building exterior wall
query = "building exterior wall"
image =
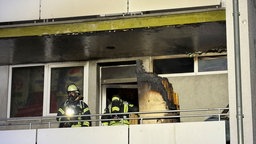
(252, 45)
(47, 9)
(247, 54)
(246, 72)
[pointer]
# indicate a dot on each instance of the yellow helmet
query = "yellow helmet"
(73, 88)
(115, 97)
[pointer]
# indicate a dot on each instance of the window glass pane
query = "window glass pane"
(27, 91)
(217, 63)
(118, 72)
(60, 78)
(177, 65)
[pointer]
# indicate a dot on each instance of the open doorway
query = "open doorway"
(128, 92)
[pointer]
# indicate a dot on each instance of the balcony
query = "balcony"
(214, 129)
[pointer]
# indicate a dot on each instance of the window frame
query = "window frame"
(46, 107)
(103, 95)
(10, 85)
(196, 61)
(47, 83)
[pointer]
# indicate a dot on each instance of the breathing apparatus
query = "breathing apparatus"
(73, 93)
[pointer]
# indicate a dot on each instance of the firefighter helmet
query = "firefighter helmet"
(116, 104)
(115, 98)
(73, 88)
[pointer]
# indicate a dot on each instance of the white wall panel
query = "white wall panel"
(18, 137)
(149, 5)
(212, 132)
(152, 134)
(179, 133)
(93, 135)
(67, 8)
(19, 10)
(200, 133)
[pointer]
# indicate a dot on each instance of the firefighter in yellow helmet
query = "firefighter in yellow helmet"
(74, 112)
(116, 108)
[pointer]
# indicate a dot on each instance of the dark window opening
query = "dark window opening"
(170, 66)
(27, 91)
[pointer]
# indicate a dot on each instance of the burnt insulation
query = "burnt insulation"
(154, 82)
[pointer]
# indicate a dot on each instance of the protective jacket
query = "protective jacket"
(76, 114)
(116, 108)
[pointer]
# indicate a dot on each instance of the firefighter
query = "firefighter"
(116, 107)
(74, 111)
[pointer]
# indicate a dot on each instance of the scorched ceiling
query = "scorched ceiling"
(119, 43)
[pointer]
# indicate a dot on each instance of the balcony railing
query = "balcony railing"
(193, 115)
